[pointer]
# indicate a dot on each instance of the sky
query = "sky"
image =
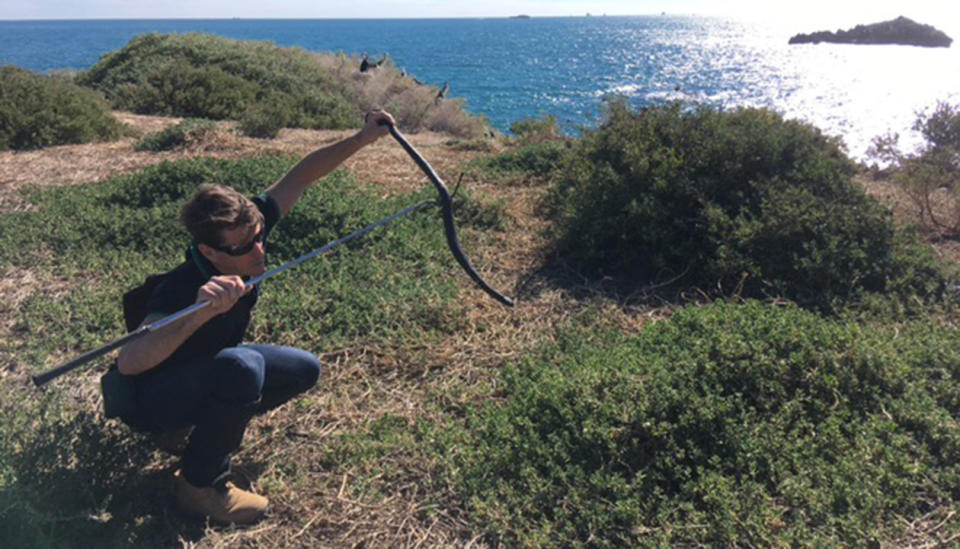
(825, 12)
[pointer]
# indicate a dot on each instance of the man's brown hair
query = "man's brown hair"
(215, 209)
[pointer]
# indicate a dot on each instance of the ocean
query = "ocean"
(512, 69)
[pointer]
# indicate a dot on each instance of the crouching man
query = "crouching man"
(195, 377)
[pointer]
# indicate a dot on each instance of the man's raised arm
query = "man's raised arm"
(288, 190)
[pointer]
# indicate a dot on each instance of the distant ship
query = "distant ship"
(521, 16)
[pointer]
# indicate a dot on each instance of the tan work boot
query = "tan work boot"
(223, 505)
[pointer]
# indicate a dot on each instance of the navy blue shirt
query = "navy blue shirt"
(178, 290)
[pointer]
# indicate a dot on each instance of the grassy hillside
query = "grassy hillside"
(261, 86)
(265, 87)
(391, 289)
(595, 414)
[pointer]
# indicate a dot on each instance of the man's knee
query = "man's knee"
(308, 368)
(239, 374)
(293, 362)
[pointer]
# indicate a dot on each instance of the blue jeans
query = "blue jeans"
(218, 396)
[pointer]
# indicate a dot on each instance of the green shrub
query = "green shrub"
(536, 159)
(175, 136)
(266, 87)
(725, 426)
(262, 121)
(534, 130)
(739, 202)
(40, 111)
(196, 75)
(536, 151)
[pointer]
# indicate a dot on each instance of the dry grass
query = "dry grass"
(322, 502)
(382, 163)
(413, 105)
(906, 211)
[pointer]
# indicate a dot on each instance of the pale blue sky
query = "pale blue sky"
(807, 12)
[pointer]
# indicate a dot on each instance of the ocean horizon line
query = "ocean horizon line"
(471, 18)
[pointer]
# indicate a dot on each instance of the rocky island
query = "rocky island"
(901, 30)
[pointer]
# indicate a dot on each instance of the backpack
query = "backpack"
(119, 394)
(135, 301)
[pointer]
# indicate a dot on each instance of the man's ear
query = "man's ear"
(206, 251)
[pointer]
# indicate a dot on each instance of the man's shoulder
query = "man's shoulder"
(152, 295)
(184, 275)
(269, 207)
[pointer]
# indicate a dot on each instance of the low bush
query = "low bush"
(413, 104)
(204, 76)
(536, 151)
(731, 202)
(535, 130)
(535, 159)
(176, 136)
(266, 87)
(41, 111)
(724, 426)
(263, 122)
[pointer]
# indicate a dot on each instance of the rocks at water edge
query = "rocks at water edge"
(897, 31)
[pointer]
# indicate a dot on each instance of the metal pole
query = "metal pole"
(49, 375)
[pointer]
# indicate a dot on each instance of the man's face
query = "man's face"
(241, 252)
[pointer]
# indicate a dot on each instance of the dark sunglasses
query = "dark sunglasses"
(241, 250)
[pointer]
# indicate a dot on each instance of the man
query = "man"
(196, 372)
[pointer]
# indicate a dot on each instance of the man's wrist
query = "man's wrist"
(362, 138)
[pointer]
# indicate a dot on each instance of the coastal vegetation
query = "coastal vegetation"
(726, 425)
(178, 135)
(536, 149)
(735, 203)
(720, 338)
(930, 176)
(263, 86)
(42, 110)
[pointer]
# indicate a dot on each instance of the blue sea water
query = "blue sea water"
(511, 69)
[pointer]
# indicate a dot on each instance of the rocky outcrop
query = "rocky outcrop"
(897, 31)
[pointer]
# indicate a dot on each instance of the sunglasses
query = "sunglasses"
(241, 250)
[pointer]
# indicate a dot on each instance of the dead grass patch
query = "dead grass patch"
(382, 163)
(906, 212)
